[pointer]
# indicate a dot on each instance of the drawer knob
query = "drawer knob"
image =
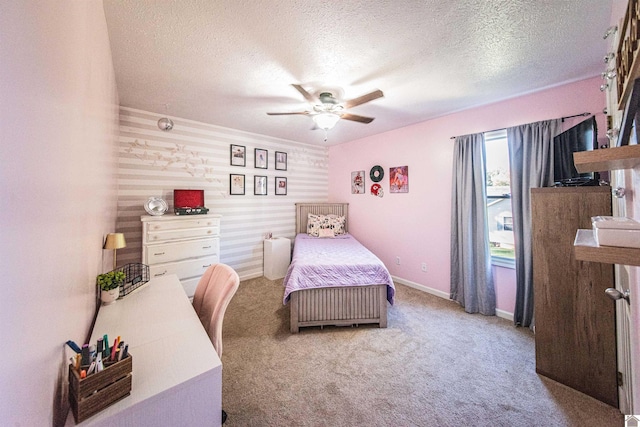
(206, 266)
(206, 247)
(159, 253)
(160, 274)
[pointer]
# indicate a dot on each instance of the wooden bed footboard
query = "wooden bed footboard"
(351, 305)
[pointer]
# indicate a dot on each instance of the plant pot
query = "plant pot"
(109, 297)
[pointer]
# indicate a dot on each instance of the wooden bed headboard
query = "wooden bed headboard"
(303, 209)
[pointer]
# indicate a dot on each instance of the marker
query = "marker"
(114, 348)
(100, 345)
(105, 352)
(120, 351)
(86, 359)
(74, 346)
(99, 364)
(125, 351)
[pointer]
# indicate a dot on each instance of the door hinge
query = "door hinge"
(620, 383)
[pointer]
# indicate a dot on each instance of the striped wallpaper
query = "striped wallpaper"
(196, 155)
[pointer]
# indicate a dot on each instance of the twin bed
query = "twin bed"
(334, 280)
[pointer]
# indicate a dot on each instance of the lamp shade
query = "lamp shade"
(115, 241)
(326, 121)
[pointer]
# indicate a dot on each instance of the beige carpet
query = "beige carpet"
(434, 365)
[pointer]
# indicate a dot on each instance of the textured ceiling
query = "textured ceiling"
(228, 62)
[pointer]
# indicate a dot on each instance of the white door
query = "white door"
(623, 312)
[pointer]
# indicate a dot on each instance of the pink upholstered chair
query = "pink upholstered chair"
(213, 294)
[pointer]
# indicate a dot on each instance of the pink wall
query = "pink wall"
(58, 126)
(416, 226)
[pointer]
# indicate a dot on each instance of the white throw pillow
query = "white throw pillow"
(326, 232)
(313, 225)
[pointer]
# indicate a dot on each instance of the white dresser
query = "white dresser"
(182, 245)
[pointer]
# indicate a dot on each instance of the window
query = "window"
(499, 216)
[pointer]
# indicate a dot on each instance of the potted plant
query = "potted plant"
(110, 285)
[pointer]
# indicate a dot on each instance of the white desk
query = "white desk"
(177, 374)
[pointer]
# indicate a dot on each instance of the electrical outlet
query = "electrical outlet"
(424, 267)
(398, 260)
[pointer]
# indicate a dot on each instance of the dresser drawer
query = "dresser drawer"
(181, 233)
(167, 252)
(184, 269)
(173, 224)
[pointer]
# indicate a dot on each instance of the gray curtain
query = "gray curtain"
(471, 274)
(531, 163)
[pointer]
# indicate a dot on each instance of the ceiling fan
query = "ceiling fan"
(326, 110)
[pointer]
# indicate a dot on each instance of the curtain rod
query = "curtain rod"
(562, 118)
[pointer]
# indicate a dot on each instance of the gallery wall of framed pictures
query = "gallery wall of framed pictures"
(398, 180)
(237, 183)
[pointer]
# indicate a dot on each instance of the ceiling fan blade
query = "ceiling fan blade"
(356, 118)
(312, 99)
(306, 113)
(364, 98)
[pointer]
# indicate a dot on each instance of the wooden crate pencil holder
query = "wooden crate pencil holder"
(90, 395)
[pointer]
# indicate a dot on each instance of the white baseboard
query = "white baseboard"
(500, 313)
(420, 287)
(250, 276)
(504, 314)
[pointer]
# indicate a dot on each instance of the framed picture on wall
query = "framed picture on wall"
(238, 155)
(399, 179)
(236, 184)
(357, 182)
(281, 161)
(261, 158)
(260, 185)
(281, 186)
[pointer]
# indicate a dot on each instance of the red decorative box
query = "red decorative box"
(189, 202)
(188, 198)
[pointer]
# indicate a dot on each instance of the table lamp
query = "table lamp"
(115, 241)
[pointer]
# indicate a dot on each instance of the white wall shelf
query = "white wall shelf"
(586, 249)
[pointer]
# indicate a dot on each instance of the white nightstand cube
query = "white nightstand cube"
(277, 256)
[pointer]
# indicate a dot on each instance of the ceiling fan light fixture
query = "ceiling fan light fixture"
(326, 121)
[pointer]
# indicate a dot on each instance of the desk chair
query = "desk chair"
(213, 294)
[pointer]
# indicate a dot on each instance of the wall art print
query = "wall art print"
(260, 185)
(238, 155)
(281, 186)
(399, 179)
(281, 161)
(236, 184)
(357, 182)
(261, 158)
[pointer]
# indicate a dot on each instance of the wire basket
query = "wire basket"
(136, 275)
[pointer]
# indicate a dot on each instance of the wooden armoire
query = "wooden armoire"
(575, 328)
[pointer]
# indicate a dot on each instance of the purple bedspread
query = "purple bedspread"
(340, 261)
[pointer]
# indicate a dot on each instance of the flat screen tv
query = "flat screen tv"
(581, 137)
